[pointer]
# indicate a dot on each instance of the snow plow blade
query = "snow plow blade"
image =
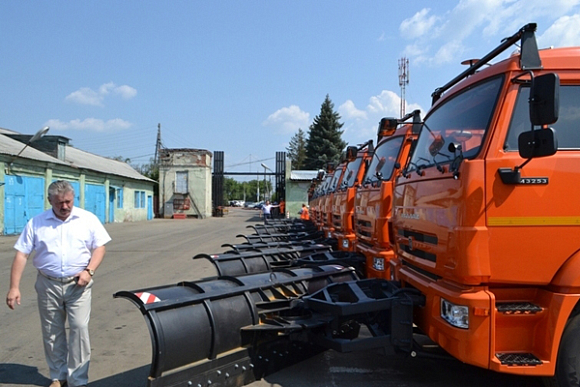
(235, 263)
(201, 332)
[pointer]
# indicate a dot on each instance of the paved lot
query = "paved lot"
(159, 252)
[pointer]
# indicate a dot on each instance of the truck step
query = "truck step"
(518, 308)
(518, 359)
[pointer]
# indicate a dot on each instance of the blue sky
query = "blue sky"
(240, 76)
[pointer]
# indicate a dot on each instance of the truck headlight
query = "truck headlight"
(379, 264)
(345, 243)
(456, 315)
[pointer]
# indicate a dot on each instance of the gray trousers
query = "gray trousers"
(58, 302)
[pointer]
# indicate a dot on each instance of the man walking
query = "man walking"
(267, 210)
(70, 245)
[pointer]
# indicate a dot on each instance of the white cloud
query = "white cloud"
(85, 96)
(448, 52)
(418, 25)
(347, 111)
(387, 103)
(439, 38)
(90, 125)
(361, 125)
(126, 92)
(88, 96)
(565, 32)
(288, 120)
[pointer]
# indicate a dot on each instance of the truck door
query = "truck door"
(532, 224)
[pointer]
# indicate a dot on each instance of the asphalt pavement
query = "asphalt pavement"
(159, 252)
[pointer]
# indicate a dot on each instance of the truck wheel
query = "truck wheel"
(568, 362)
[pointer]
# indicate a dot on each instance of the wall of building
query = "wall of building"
(296, 195)
(27, 194)
(185, 182)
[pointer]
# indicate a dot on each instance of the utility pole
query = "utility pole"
(403, 81)
(158, 144)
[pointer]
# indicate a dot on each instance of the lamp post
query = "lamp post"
(38, 134)
(266, 168)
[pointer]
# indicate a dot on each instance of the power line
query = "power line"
(249, 162)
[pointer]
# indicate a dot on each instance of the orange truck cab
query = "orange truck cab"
(357, 159)
(486, 216)
(373, 198)
(328, 200)
(314, 195)
(319, 199)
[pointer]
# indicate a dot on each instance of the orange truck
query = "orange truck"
(485, 218)
(326, 202)
(482, 227)
(373, 197)
(357, 159)
(318, 200)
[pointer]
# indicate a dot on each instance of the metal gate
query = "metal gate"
(23, 199)
(95, 200)
(219, 173)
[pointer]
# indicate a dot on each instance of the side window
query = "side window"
(567, 127)
(119, 193)
(139, 199)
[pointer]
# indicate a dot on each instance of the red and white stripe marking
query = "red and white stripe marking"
(147, 298)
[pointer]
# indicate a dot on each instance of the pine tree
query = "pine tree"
(324, 138)
(297, 150)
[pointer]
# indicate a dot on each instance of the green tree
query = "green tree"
(325, 143)
(297, 150)
(150, 170)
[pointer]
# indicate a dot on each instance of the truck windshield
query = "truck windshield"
(321, 190)
(351, 173)
(462, 120)
(384, 159)
(335, 179)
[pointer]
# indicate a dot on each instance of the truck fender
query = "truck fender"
(567, 279)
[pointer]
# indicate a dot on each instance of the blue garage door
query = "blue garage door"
(95, 200)
(23, 199)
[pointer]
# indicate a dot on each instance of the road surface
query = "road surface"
(159, 252)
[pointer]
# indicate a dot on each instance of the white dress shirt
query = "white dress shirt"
(63, 248)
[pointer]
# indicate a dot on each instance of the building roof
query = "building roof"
(11, 147)
(86, 160)
(74, 158)
(303, 175)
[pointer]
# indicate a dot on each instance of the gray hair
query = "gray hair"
(60, 187)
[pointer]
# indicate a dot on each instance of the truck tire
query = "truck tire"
(568, 362)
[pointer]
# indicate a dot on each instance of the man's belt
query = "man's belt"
(62, 280)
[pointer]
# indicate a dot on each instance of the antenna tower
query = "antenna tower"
(158, 144)
(403, 81)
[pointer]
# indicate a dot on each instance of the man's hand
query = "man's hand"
(83, 278)
(13, 298)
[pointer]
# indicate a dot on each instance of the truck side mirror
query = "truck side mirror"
(537, 143)
(545, 99)
(387, 127)
(351, 152)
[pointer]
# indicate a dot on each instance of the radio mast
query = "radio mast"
(403, 81)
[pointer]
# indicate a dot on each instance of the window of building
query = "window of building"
(140, 199)
(119, 194)
(181, 182)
